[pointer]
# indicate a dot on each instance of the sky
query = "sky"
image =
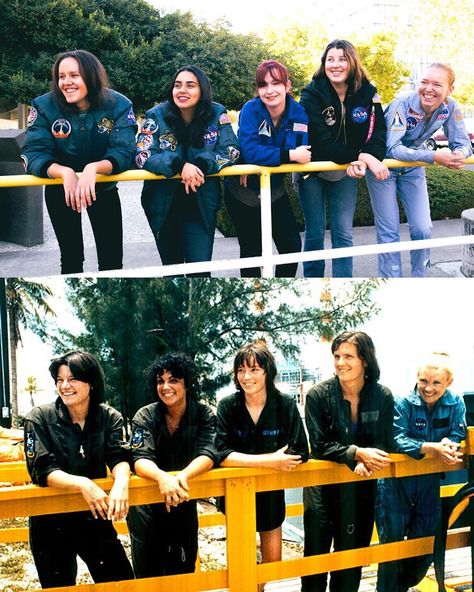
(416, 317)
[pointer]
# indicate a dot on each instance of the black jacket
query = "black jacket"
(339, 138)
(328, 420)
(53, 442)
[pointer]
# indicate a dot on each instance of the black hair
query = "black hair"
(85, 367)
(92, 72)
(179, 365)
(257, 352)
(202, 114)
(365, 349)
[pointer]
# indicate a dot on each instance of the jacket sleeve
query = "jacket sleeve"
(376, 146)
(40, 460)
(156, 151)
(396, 120)
(458, 425)
(401, 422)
(323, 146)
(456, 132)
(38, 152)
(142, 440)
(206, 440)
(115, 451)
(226, 149)
(323, 446)
(253, 150)
(297, 442)
(121, 147)
(224, 429)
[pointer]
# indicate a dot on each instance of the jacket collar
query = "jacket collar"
(414, 105)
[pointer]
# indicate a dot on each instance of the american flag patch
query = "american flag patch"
(300, 127)
(224, 118)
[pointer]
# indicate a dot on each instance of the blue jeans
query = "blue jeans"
(341, 196)
(410, 183)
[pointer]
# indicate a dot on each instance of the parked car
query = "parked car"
(439, 140)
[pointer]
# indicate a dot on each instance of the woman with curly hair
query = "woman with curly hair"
(175, 433)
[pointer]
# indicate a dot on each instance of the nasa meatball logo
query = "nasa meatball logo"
(359, 115)
(420, 423)
(412, 123)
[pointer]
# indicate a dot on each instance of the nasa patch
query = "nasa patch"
(61, 128)
(141, 158)
(359, 115)
(412, 123)
(443, 115)
(131, 117)
(168, 141)
(210, 136)
(144, 141)
(137, 438)
(149, 126)
(32, 115)
(397, 123)
(24, 160)
(265, 129)
(30, 444)
(105, 125)
(329, 115)
(420, 423)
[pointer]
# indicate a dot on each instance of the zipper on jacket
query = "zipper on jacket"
(343, 123)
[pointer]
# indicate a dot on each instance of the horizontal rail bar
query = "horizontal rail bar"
(240, 169)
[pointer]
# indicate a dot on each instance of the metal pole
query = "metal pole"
(266, 215)
(4, 367)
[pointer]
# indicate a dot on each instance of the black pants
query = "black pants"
(342, 515)
(247, 222)
(105, 215)
(163, 543)
(56, 541)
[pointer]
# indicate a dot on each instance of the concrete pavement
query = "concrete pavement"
(140, 250)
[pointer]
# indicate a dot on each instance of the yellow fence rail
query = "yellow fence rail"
(267, 260)
(239, 487)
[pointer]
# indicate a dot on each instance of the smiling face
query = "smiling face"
(73, 392)
(71, 83)
(432, 384)
(252, 378)
(336, 67)
(272, 93)
(349, 366)
(171, 391)
(186, 91)
(434, 88)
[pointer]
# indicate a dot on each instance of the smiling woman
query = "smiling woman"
(78, 130)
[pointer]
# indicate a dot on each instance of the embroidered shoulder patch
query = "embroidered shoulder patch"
(137, 438)
(30, 444)
(397, 123)
(32, 115)
(105, 125)
(131, 117)
(141, 158)
(149, 126)
(300, 127)
(224, 118)
(458, 116)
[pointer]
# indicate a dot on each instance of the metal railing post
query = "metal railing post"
(266, 216)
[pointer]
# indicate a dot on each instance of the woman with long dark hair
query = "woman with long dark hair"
(81, 126)
(174, 433)
(259, 426)
(346, 125)
(69, 443)
(349, 420)
(190, 135)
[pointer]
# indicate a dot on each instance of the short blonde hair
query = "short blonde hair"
(437, 361)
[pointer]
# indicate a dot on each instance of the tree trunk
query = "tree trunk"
(13, 370)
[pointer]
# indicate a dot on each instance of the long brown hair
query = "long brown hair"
(357, 73)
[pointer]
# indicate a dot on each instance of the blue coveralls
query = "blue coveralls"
(408, 128)
(410, 506)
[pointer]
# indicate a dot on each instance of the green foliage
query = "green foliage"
(129, 322)
(139, 48)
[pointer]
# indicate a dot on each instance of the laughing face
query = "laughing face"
(73, 392)
(252, 378)
(432, 384)
(336, 67)
(434, 88)
(273, 94)
(71, 83)
(186, 91)
(171, 391)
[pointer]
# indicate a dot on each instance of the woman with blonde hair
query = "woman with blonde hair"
(346, 125)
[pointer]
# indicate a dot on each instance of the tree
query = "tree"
(129, 322)
(25, 303)
(140, 48)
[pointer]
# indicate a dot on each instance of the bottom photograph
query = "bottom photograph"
(199, 434)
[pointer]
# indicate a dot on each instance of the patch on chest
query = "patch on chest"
(168, 141)
(105, 126)
(61, 128)
(420, 423)
(329, 115)
(265, 129)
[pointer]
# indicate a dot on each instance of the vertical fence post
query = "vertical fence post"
(266, 211)
(240, 523)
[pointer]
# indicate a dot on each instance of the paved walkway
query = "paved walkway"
(140, 250)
